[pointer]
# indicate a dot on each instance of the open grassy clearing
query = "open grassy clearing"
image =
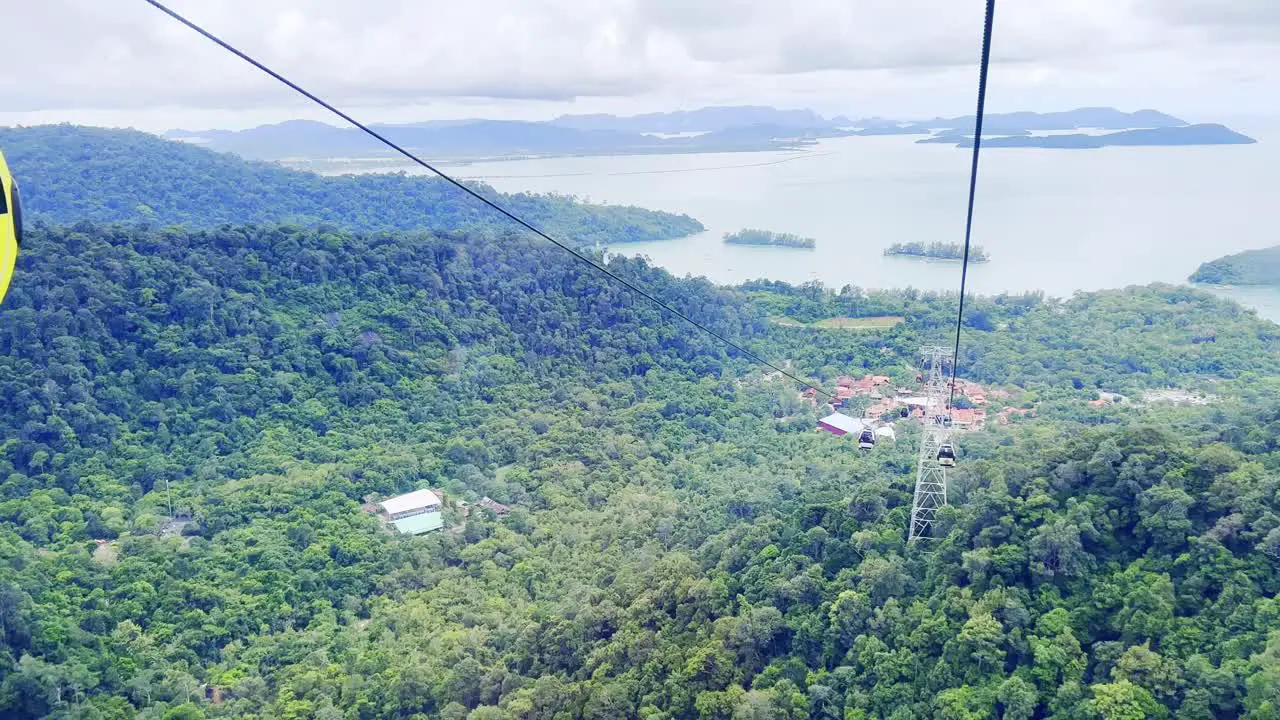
(879, 322)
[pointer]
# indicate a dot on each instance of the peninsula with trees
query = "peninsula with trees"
(261, 192)
(751, 236)
(936, 251)
(1204, 134)
(1251, 267)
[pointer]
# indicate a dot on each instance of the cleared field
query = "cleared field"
(879, 322)
(106, 554)
(785, 321)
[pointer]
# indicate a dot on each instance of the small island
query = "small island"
(751, 236)
(1251, 267)
(937, 251)
(1204, 134)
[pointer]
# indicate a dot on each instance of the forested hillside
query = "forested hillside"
(1251, 267)
(71, 173)
(682, 544)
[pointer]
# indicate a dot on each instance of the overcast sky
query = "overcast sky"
(121, 62)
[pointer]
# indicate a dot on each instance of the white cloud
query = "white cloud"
(93, 59)
(1235, 19)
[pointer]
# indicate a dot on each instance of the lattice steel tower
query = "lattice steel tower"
(931, 478)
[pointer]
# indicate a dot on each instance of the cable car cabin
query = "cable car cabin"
(947, 455)
(10, 226)
(867, 439)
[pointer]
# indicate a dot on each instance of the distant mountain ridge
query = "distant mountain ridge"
(708, 119)
(305, 138)
(714, 129)
(1102, 118)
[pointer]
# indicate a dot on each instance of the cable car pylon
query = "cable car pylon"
(931, 475)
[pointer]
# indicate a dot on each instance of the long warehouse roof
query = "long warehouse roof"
(410, 501)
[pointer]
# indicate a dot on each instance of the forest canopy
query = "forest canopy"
(1251, 267)
(71, 173)
(751, 236)
(681, 542)
(937, 250)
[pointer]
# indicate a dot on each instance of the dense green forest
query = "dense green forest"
(751, 236)
(70, 173)
(937, 250)
(1251, 267)
(682, 545)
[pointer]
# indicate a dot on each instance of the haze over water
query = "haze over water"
(1053, 220)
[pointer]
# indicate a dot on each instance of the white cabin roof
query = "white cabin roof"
(410, 501)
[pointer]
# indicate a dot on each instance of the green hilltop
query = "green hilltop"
(1251, 267)
(71, 173)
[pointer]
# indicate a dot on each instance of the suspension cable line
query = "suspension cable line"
(973, 186)
(490, 203)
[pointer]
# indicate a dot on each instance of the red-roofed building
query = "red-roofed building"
(969, 419)
(844, 381)
(843, 394)
(492, 505)
(884, 406)
(1009, 412)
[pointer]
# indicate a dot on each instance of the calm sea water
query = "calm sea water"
(1053, 220)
